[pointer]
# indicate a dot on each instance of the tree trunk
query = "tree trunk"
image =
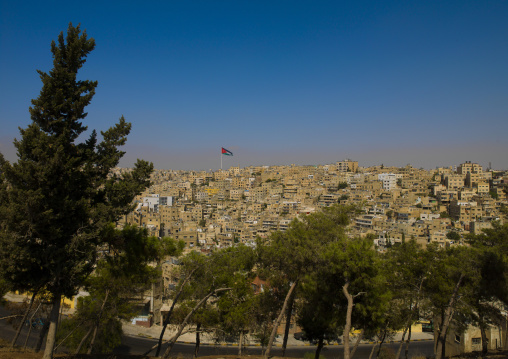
(443, 350)
(397, 356)
(240, 343)
(505, 344)
(83, 340)
(347, 327)
(97, 323)
(382, 340)
(500, 337)
(198, 340)
(414, 312)
(448, 314)
(30, 324)
(358, 340)
(319, 347)
(288, 323)
(439, 330)
(168, 317)
(28, 334)
(406, 353)
(53, 323)
(23, 320)
(373, 350)
(184, 323)
(42, 334)
(485, 347)
(279, 319)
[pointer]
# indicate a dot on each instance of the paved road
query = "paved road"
(138, 345)
(7, 331)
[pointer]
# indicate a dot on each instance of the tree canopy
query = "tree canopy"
(61, 192)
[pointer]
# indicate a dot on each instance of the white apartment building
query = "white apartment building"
(166, 201)
(152, 201)
(389, 180)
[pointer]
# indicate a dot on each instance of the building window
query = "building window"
(476, 341)
(457, 338)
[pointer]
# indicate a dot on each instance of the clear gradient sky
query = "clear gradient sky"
(277, 82)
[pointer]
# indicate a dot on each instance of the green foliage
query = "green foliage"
(454, 273)
(406, 267)
(493, 286)
(444, 214)
(504, 209)
(316, 252)
(74, 329)
(342, 185)
(266, 307)
(291, 254)
(130, 250)
(122, 275)
(494, 195)
(237, 308)
(494, 238)
(453, 235)
(4, 287)
(230, 311)
(356, 262)
(319, 313)
(59, 194)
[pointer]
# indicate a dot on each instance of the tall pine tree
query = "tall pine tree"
(60, 194)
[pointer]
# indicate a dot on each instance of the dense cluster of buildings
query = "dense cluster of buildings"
(219, 208)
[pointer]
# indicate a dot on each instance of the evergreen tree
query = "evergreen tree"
(453, 276)
(406, 268)
(355, 271)
(227, 270)
(237, 308)
(491, 295)
(60, 193)
(287, 257)
(319, 314)
(124, 272)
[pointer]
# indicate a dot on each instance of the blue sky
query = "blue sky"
(277, 82)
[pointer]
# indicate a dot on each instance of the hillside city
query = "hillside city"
(216, 209)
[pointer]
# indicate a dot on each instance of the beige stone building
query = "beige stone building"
(347, 166)
(465, 212)
(469, 167)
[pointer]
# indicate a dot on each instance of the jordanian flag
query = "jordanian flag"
(226, 152)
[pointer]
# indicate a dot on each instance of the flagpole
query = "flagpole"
(221, 161)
